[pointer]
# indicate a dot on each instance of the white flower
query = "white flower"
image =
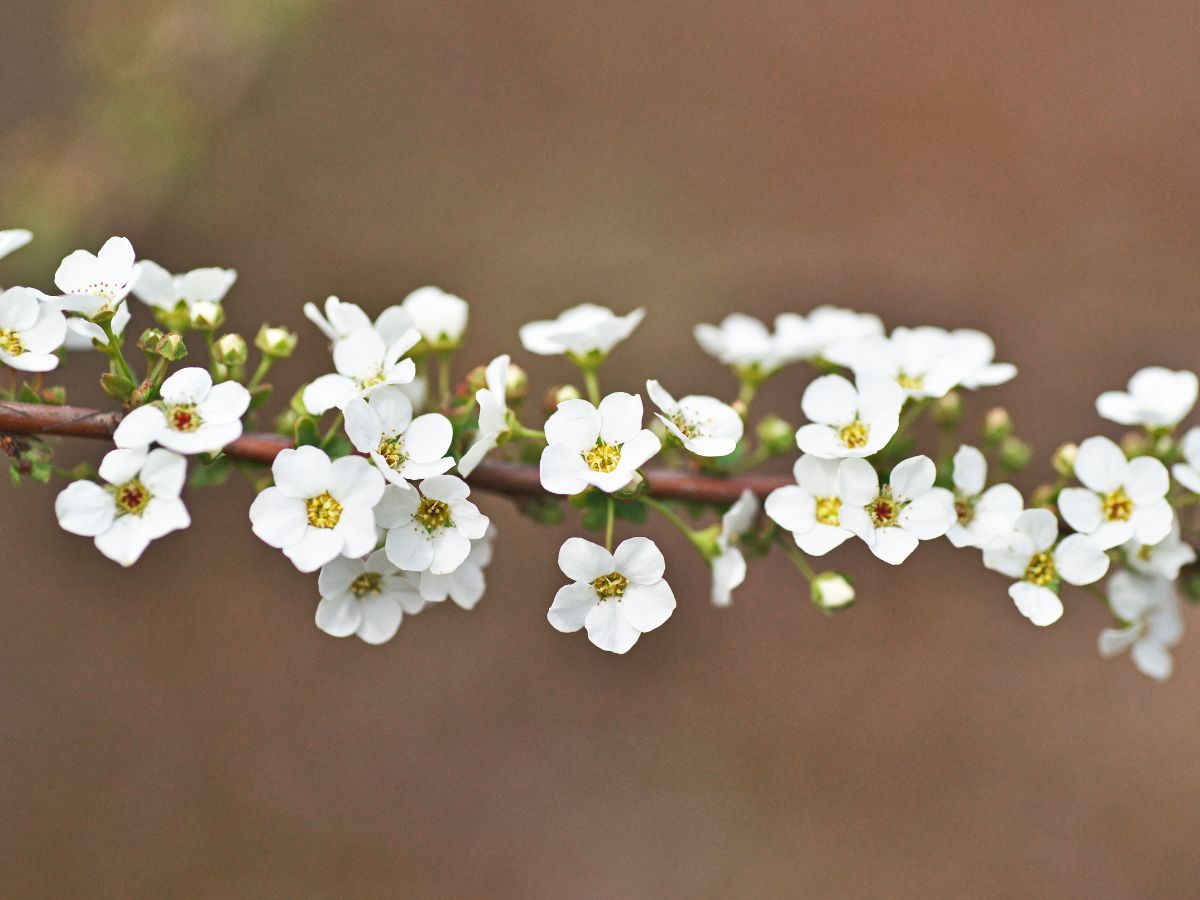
(200, 291)
(1151, 607)
(1121, 499)
(746, 344)
(1028, 553)
(600, 447)
(342, 319)
(195, 415)
(1161, 560)
(441, 318)
(383, 427)
(982, 515)
(705, 425)
(920, 360)
(832, 590)
(493, 414)
(318, 509)
(364, 362)
(729, 565)
(30, 330)
(892, 519)
(810, 508)
(617, 596)
(832, 327)
(465, 585)
(367, 597)
(140, 504)
(13, 239)
(850, 420)
(431, 529)
(1187, 473)
(1156, 398)
(94, 283)
(580, 332)
(976, 353)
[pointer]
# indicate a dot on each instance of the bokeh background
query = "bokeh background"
(182, 729)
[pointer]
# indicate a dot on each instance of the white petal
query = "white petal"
(575, 425)
(354, 482)
(1152, 659)
(118, 466)
(583, 561)
(190, 385)
(163, 473)
(930, 515)
(278, 519)
(830, 400)
(620, 417)
(328, 392)
(858, 483)
(1079, 560)
(893, 545)
(339, 616)
(316, 547)
(571, 605)
(1040, 526)
(639, 560)
(362, 425)
(428, 437)
(912, 477)
(1152, 523)
(608, 630)
(1146, 480)
(647, 606)
(450, 549)
(125, 541)
(226, 402)
(1039, 605)
(1081, 509)
(563, 471)
(409, 548)
(84, 508)
(140, 427)
(820, 539)
(970, 471)
(659, 396)
(380, 619)
(1100, 464)
(302, 472)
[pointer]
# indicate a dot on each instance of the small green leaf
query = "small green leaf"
(28, 394)
(210, 474)
(306, 432)
(116, 386)
(595, 518)
(260, 395)
(338, 446)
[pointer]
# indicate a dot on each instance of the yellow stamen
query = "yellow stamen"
(603, 457)
(1040, 570)
(828, 510)
(854, 435)
(1117, 506)
(432, 514)
(323, 511)
(132, 497)
(611, 586)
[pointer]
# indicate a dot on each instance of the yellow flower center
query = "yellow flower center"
(1040, 570)
(1144, 552)
(392, 451)
(686, 428)
(854, 435)
(366, 583)
(1117, 506)
(603, 457)
(10, 342)
(131, 497)
(883, 510)
(183, 417)
(371, 380)
(911, 382)
(323, 511)
(828, 510)
(611, 586)
(432, 514)
(964, 508)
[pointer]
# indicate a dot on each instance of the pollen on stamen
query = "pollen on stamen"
(829, 510)
(603, 457)
(1118, 507)
(611, 586)
(183, 417)
(854, 435)
(10, 342)
(132, 497)
(323, 510)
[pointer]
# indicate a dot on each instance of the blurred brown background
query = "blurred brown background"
(184, 730)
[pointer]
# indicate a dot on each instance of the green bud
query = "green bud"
(231, 350)
(149, 339)
(776, 435)
(1015, 454)
(947, 411)
(476, 379)
(171, 347)
(636, 487)
(276, 342)
(997, 425)
(55, 395)
(516, 386)
(1043, 497)
(832, 590)
(116, 386)
(207, 315)
(1063, 459)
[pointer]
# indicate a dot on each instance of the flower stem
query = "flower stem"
(260, 373)
(911, 415)
(610, 520)
(519, 431)
(797, 558)
(592, 383)
(114, 351)
(332, 431)
(671, 516)
(443, 377)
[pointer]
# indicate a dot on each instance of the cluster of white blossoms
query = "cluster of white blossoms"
(368, 476)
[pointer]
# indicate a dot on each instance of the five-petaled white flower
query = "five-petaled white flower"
(849, 420)
(587, 333)
(96, 283)
(367, 597)
(920, 360)
(601, 447)
(616, 596)
(140, 503)
(704, 425)
(1029, 553)
(810, 508)
(199, 291)
(982, 514)
(30, 330)
(364, 362)
(342, 319)
(729, 565)
(1150, 609)
(195, 415)
(891, 519)
(1122, 499)
(383, 427)
(493, 414)
(1156, 398)
(319, 508)
(441, 318)
(1164, 559)
(747, 345)
(430, 529)
(1187, 473)
(465, 585)
(13, 239)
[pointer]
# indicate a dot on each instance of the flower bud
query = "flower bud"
(116, 386)
(516, 386)
(476, 379)
(231, 350)
(997, 425)
(947, 411)
(1136, 443)
(171, 347)
(636, 487)
(207, 315)
(149, 339)
(776, 435)
(560, 394)
(1015, 454)
(276, 342)
(1043, 497)
(832, 590)
(1063, 459)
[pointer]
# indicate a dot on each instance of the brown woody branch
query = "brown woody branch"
(499, 477)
